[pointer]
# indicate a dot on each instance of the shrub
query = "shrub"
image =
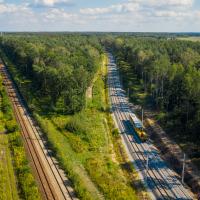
(115, 132)
(11, 126)
(75, 126)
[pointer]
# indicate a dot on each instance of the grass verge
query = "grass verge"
(8, 186)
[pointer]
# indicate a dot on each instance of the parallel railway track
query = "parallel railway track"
(53, 183)
(138, 155)
(162, 188)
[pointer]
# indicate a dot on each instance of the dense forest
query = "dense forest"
(57, 69)
(169, 70)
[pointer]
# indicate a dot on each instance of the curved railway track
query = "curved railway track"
(52, 181)
(158, 179)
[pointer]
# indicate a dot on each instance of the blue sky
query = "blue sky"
(100, 15)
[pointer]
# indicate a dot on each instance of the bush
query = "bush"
(115, 132)
(76, 143)
(11, 126)
(75, 126)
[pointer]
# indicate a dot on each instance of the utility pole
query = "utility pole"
(183, 170)
(63, 104)
(128, 93)
(147, 165)
(142, 117)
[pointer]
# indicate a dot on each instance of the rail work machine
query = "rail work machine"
(138, 127)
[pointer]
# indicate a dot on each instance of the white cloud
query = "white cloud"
(171, 2)
(55, 14)
(146, 10)
(94, 11)
(145, 14)
(116, 8)
(50, 2)
(197, 13)
(168, 3)
(12, 8)
(171, 14)
(131, 15)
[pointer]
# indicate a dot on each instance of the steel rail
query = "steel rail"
(17, 100)
(46, 187)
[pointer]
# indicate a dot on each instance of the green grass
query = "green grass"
(193, 39)
(8, 187)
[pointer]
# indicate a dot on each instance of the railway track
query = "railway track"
(53, 183)
(161, 187)
(137, 156)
